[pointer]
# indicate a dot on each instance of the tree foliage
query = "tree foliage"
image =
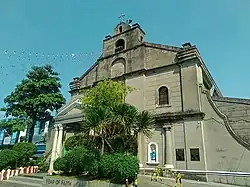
(107, 116)
(25, 150)
(39, 91)
(106, 94)
(15, 124)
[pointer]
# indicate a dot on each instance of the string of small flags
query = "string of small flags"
(12, 61)
(26, 55)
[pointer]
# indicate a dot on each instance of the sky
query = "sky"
(69, 35)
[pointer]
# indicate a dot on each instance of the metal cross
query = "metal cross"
(121, 17)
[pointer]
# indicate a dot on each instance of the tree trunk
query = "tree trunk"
(30, 133)
(102, 148)
(27, 134)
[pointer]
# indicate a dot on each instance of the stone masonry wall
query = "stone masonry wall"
(238, 113)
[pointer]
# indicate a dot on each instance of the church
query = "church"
(196, 127)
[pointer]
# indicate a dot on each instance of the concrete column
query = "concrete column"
(54, 147)
(140, 150)
(168, 147)
(59, 141)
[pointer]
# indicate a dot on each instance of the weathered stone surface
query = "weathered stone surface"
(237, 112)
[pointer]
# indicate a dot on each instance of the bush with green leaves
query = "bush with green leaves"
(44, 168)
(60, 164)
(74, 141)
(79, 140)
(25, 150)
(8, 159)
(118, 167)
(78, 161)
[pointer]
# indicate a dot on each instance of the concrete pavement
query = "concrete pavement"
(19, 181)
(3, 185)
(152, 184)
(145, 181)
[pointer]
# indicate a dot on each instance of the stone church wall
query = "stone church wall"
(194, 140)
(223, 152)
(154, 80)
(189, 74)
(187, 135)
(90, 78)
(238, 113)
(179, 143)
(155, 57)
(137, 96)
(133, 60)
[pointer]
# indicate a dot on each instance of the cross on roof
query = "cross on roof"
(121, 17)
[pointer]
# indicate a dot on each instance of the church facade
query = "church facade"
(196, 128)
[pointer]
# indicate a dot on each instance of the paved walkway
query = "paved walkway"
(4, 185)
(145, 181)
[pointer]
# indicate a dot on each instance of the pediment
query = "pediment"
(74, 107)
(74, 111)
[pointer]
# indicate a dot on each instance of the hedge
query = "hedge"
(118, 167)
(8, 159)
(78, 161)
(25, 150)
(74, 141)
(60, 164)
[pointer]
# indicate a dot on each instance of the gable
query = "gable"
(74, 111)
(71, 108)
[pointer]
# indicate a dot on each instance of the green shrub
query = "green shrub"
(118, 167)
(93, 168)
(8, 159)
(60, 164)
(78, 161)
(74, 141)
(38, 162)
(80, 141)
(25, 150)
(107, 164)
(44, 168)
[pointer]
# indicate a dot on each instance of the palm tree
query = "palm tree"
(96, 124)
(121, 121)
(130, 122)
(144, 122)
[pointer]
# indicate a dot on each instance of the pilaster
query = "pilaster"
(53, 154)
(140, 150)
(168, 147)
(59, 141)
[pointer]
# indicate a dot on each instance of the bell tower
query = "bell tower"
(126, 36)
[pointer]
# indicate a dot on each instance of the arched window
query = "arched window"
(153, 153)
(119, 45)
(141, 38)
(120, 29)
(118, 67)
(163, 96)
